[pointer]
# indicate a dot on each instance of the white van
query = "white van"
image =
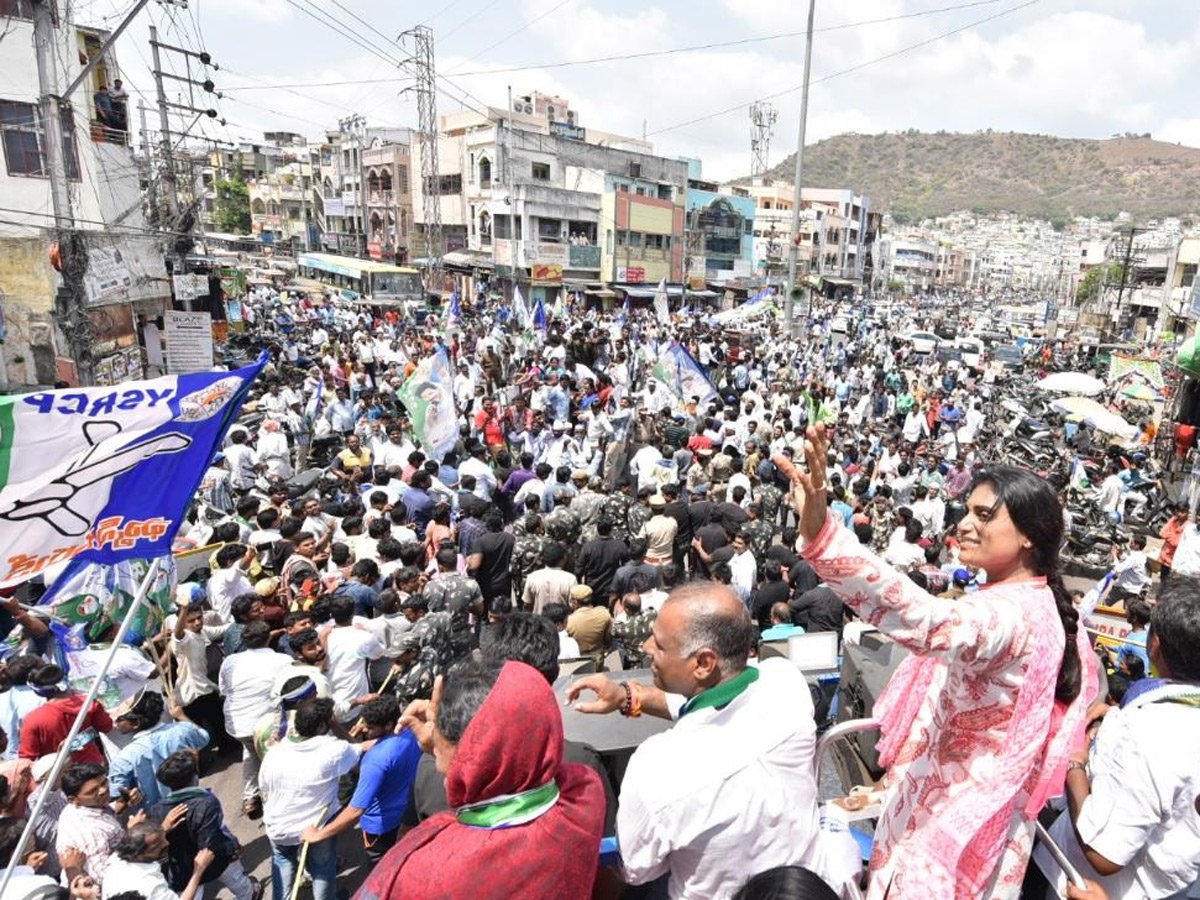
(972, 351)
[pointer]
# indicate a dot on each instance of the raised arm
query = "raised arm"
(967, 628)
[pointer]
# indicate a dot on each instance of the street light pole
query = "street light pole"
(790, 298)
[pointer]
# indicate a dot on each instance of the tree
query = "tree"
(232, 209)
(1095, 278)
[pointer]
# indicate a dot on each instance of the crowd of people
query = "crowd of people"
(381, 633)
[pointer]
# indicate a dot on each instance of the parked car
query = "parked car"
(923, 341)
(972, 351)
(1010, 357)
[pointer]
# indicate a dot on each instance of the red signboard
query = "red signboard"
(631, 274)
(375, 249)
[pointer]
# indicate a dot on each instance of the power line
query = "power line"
(513, 34)
(470, 18)
(621, 57)
(846, 71)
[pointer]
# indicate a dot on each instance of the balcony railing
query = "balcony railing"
(380, 198)
(105, 134)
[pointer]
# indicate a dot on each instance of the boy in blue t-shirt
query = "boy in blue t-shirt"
(385, 779)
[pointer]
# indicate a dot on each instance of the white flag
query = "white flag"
(661, 310)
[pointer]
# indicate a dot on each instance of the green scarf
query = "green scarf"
(509, 810)
(184, 794)
(723, 694)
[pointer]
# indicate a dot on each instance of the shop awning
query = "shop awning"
(602, 292)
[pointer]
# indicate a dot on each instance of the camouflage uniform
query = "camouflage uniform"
(455, 594)
(639, 515)
(562, 525)
(630, 635)
(617, 507)
(431, 634)
(526, 559)
(588, 507)
(770, 498)
(759, 535)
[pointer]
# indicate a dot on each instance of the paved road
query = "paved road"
(225, 780)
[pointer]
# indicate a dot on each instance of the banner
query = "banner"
(682, 375)
(519, 308)
(106, 474)
(428, 395)
(89, 599)
(190, 287)
(1129, 365)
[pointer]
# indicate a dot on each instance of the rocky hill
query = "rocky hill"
(913, 174)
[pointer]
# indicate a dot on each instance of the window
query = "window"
(1189, 275)
(640, 191)
(623, 188)
(550, 230)
(23, 9)
(402, 178)
(635, 170)
(24, 139)
(658, 242)
(485, 172)
(664, 192)
(541, 171)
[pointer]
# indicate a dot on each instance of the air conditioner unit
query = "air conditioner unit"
(529, 108)
(550, 112)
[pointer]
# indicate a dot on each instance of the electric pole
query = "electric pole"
(789, 304)
(171, 189)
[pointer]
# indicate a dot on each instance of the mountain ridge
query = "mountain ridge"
(915, 175)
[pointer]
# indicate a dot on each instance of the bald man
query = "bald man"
(730, 789)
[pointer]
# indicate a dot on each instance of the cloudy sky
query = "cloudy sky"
(1076, 68)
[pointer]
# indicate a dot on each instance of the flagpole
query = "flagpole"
(64, 749)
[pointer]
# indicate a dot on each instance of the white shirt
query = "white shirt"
(223, 586)
(745, 574)
(642, 465)
(388, 454)
(300, 780)
(485, 478)
(241, 459)
(191, 655)
(245, 683)
(747, 803)
(1140, 813)
(347, 650)
(145, 878)
(568, 647)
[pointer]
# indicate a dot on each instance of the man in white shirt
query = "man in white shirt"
(245, 682)
(394, 452)
(300, 779)
(485, 478)
(744, 569)
(642, 466)
(654, 398)
(136, 865)
(1131, 822)
(348, 649)
(230, 581)
(699, 816)
(242, 461)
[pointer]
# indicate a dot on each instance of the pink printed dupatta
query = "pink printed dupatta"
(966, 840)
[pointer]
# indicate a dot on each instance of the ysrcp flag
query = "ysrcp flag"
(682, 375)
(103, 474)
(428, 395)
(89, 598)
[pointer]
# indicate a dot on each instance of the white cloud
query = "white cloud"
(1180, 131)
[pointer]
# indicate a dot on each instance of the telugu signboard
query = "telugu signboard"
(189, 341)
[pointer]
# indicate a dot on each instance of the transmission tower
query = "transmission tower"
(762, 126)
(421, 64)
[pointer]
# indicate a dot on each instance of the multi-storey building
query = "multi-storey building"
(388, 168)
(547, 203)
(125, 275)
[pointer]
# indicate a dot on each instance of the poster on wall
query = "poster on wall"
(104, 371)
(189, 341)
(108, 274)
(190, 287)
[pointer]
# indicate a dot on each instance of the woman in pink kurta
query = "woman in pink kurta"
(977, 722)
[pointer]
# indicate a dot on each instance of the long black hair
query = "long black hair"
(1036, 512)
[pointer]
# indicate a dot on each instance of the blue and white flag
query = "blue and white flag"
(455, 307)
(103, 474)
(520, 309)
(539, 315)
(680, 374)
(662, 310)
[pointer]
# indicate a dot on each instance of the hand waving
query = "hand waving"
(807, 493)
